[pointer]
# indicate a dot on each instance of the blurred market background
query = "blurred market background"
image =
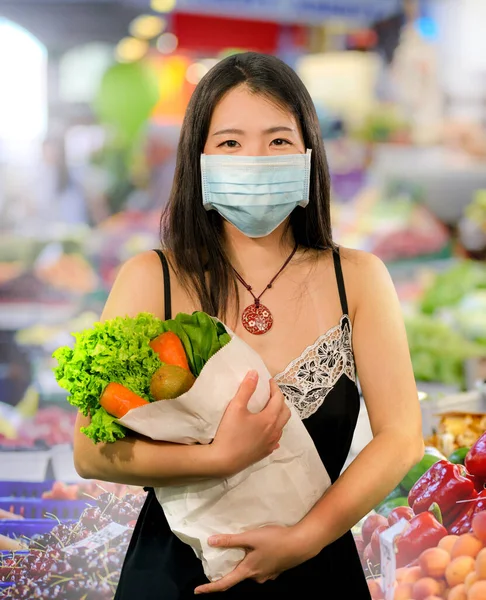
(92, 95)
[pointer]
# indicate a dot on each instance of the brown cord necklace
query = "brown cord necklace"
(257, 318)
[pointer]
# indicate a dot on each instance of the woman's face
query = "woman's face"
(249, 124)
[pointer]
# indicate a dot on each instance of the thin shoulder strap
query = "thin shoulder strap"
(167, 296)
(340, 281)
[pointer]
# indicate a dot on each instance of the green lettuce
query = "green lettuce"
(103, 427)
(114, 351)
(118, 351)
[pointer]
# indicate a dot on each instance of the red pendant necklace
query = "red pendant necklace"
(257, 318)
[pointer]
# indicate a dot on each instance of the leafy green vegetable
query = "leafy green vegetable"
(118, 351)
(448, 288)
(103, 427)
(438, 352)
(114, 351)
(201, 335)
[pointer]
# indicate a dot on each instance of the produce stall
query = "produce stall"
(427, 537)
(73, 551)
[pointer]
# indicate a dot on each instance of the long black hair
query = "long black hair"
(194, 236)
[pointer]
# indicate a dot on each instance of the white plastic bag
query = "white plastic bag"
(281, 489)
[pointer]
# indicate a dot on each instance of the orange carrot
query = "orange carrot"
(170, 349)
(117, 400)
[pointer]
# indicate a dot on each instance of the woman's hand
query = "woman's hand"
(244, 438)
(269, 551)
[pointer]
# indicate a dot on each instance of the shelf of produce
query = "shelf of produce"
(467, 402)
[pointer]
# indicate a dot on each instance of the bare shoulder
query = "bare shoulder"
(138, 287)
(366, 277)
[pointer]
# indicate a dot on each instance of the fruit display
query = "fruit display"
(74, 560)
(68, 272)
(444, 533)
(50, 425)
(454, 568)
(84, 489)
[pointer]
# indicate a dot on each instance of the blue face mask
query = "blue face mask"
(255, 193)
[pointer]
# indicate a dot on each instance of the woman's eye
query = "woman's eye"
(280, 142)
(229, 144)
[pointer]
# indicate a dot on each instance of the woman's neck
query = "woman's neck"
(251, 256)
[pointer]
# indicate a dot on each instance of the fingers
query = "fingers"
(283, 417)
(226, 540)
(277, 406)
(247, 389)
(276, 401)
(226, 582)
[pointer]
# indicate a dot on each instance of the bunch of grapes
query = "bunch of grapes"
(49, 571)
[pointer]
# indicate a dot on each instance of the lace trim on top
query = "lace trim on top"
(309, 378)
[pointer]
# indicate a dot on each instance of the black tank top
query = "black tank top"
(321, 385)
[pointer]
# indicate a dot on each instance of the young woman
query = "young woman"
(247, 237)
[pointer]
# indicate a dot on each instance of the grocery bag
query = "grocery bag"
(278, 490)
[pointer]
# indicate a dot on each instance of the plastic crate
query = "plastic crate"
(38, 508)
(28, 528)
(3, 588)
(32, 465)
(17, 554)
(24, 489)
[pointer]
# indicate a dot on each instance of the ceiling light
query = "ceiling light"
(163, 5)
(130, 49)
(147, 26)
(167, 43)
(196, 72)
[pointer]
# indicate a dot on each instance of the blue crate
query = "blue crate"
(24, 489)
(28, 527)
(16, 554)
(4, 585)
(38, 508)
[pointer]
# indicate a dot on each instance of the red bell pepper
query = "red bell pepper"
(444, 483)
(462, 523)
(423, 531)
(398, 513)
(475, 461)
(478, 482)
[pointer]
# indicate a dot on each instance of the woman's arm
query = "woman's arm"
(242, 438)
(135, 460)
(386, 377)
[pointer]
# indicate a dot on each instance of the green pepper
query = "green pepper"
(385, 508)
(396, 493)
(418, 470)
(457, 457)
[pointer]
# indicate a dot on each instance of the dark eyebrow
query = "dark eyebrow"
(267, 131)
